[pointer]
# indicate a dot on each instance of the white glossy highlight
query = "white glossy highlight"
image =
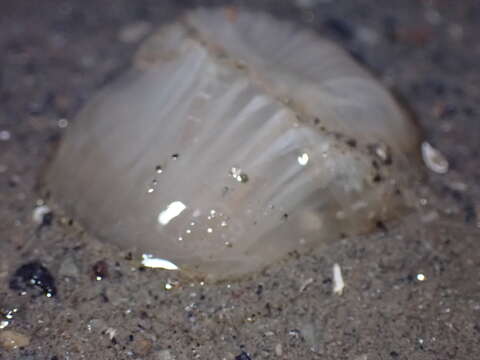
(171, 212)
(303, 159)
(148, 260)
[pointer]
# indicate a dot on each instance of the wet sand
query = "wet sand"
(412, 290)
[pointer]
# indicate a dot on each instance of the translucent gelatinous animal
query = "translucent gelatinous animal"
(235, 139)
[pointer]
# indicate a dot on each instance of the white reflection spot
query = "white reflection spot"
(157, 263)
(303, 159)
(238, 175)
(421, 277)
(172, 211)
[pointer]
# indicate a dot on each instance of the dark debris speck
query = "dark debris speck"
(340, 28)
(47, 219)
(243, 356)
(100, 270)
(33, 275)
(352, 143)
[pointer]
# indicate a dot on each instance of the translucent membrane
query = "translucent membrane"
(235, 139)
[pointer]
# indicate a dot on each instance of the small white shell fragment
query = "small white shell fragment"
(5, 135)
(276, 128)
(164, 355)
(157, 263)
(305, 284)
(338, 283)
(111, 332)
(434, 159)
(39, 212)
(278, 349)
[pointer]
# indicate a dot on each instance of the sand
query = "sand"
(411, 290)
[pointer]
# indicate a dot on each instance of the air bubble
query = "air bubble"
(151, 189)
(62, 123)
(303, 159)
(382, 151)
(238, 175)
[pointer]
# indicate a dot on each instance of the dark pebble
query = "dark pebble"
(469, 111)
(243, 356)
(470, 213)
(390, 29)
(41, 104)
(340, 28)
(33, 275)
(449, 111)
(47, 219)
(100, 270)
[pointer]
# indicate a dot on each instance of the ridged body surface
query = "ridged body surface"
(234, 140)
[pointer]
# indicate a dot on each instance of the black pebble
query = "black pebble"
(340, 27)
(47, 219)
(33, 275)
(100, 270)
(470, 213)
(243, 356)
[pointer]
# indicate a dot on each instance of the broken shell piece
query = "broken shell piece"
(338, 283)
(263, 132)
(434, 159)
(39, 213)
